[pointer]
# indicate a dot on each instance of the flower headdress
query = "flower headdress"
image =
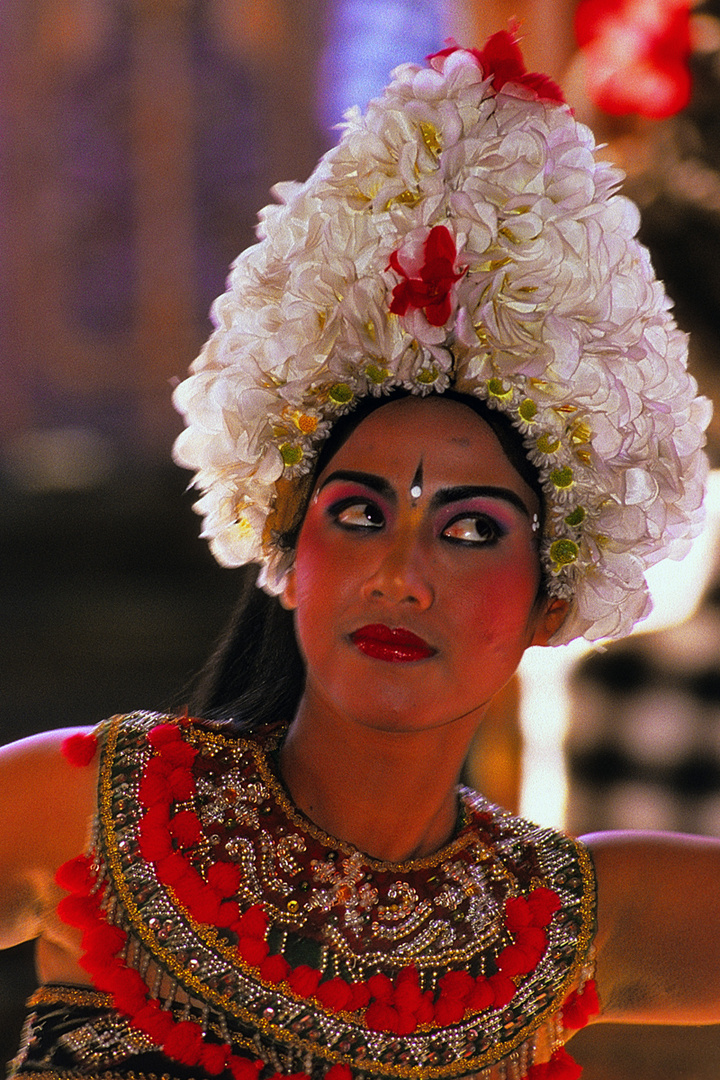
(461, 234)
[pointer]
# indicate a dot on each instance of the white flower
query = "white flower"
(556, 319)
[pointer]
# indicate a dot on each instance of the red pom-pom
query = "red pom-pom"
(339, 1072)
(79, 749)
(381, 1017)
(224, 877)
(178, 753)
(456, 984)
(228, 913)
(408, 995)
(75, 875)
(185, 1043)
(406, 1022)
(244, 1068)
(562, 1067)
(274, 969)
(253, 923)
(104, 940)
(304, 980)
(181, 783)
(359, 996)
(449, 1010)
(425, 1011)
(252, 950)
(543, 905)
(154, 842)
(580, 1006)
(163, 734)
(381, 987)
(503, 990)
(517, 913)
(185, 828)
(334, 994)
(482, 996)
(214, 1059)
(153, 1021)
(80, 911)
(129, 990)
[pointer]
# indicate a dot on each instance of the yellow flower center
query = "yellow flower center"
(564, 552)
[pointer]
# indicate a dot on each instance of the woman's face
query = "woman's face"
(417, 571)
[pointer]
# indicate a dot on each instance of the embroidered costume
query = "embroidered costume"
(225, 934)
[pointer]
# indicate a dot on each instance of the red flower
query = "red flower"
(428, 286)
(636, 55)
(79, 749)
(502, 60)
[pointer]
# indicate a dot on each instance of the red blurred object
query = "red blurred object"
(637, 55)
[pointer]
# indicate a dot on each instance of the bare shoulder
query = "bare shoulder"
(46, 807)
(658, 926)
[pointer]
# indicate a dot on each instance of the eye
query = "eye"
(358, 514)
(476, 529)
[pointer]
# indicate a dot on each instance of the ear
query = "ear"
(288, 596)
(550, 620)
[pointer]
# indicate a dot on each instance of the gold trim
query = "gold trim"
(69, 995)
(280, 1034)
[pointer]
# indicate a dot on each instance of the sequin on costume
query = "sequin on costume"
(228, 935)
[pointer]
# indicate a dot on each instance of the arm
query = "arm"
(658, 927)
(46, 806)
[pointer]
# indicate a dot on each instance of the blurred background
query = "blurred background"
(138, 140)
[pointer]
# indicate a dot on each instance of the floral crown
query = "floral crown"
(461, 234)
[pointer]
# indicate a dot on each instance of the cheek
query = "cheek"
(499, 603)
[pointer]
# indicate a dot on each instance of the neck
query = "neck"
(391, 794)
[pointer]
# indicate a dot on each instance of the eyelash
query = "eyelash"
(375, 519)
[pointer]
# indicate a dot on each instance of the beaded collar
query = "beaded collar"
(227, 912)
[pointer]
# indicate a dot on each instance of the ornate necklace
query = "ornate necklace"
(282, 939)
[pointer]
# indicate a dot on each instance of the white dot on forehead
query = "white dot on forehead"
(417, 482)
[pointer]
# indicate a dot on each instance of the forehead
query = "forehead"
(455, 445)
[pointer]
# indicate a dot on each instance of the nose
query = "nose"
(400, 575)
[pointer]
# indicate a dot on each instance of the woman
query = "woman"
(447, 410)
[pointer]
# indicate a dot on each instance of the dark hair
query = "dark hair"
(255, 677)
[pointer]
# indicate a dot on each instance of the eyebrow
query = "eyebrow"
(441, 498)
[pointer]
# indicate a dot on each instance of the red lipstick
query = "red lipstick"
(394, 645)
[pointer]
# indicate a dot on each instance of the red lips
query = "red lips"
(394, 645)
